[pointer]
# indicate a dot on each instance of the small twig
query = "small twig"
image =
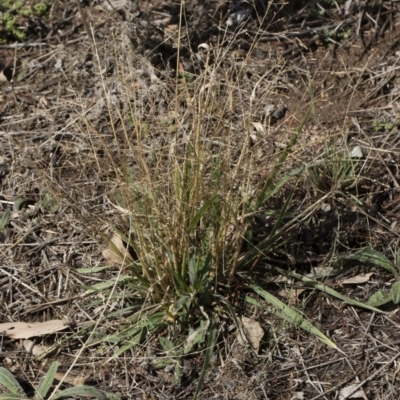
(21, 45)
(361, 384)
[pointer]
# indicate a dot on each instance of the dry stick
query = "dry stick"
(370, 377)
(360, 384)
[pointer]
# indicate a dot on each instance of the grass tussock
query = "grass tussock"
(186, 170)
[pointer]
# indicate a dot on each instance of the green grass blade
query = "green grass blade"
(208, 355)
(290, 315)
(206, 206)
(284, 210)
(7, 379)
(47, 381)
(326, 289)
(99, 287)
(132, 342)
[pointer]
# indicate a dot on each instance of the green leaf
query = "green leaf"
(19, 203)
(206, 206)
(166, 344)
(49, 203)
(178, 373)
(196, 336)
(85, 391)
(10, 396)
(395, 292)
(47, 381)
(132, 342)
(106, 284)
(7, 379)
(208, 355)
(180, 304)
(193, 270)
(380, 298)
(371, 256)
(288, 314)
(91, 270)
(4, 219)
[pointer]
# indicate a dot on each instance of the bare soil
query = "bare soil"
(347, 63)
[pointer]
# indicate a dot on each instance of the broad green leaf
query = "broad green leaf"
(132, 342)
(395, 292)
(11, 396)
(212, 331)
(85, 391)
(196, 336)
(166, 344)
(178, 373)
(107, 284)
(380, 298)
(150, 324)
(180, 303)
(47, 381)
(7, 380)
(4, 219)
(50, 203)
(371, 256)
(92, 270)
(19, 203)
(288, 314)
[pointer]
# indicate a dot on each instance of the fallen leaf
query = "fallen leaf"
(35, 349)
(117, 254)
(347, 393)
(24, 330)
(292, 294)
(253, 332)
(72, 380)
(357, 279)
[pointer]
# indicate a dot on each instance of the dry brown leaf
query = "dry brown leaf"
(292, 294)
(357, 279)
(117, 254)
(321, 272)
(35, 349)
(253, 332)
(350, 392)
(72, 380)
(24, 330)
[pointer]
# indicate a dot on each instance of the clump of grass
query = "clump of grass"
(186, 195)
(336, 170)
(42, 392)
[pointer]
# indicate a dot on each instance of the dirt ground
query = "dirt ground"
(345, 56)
